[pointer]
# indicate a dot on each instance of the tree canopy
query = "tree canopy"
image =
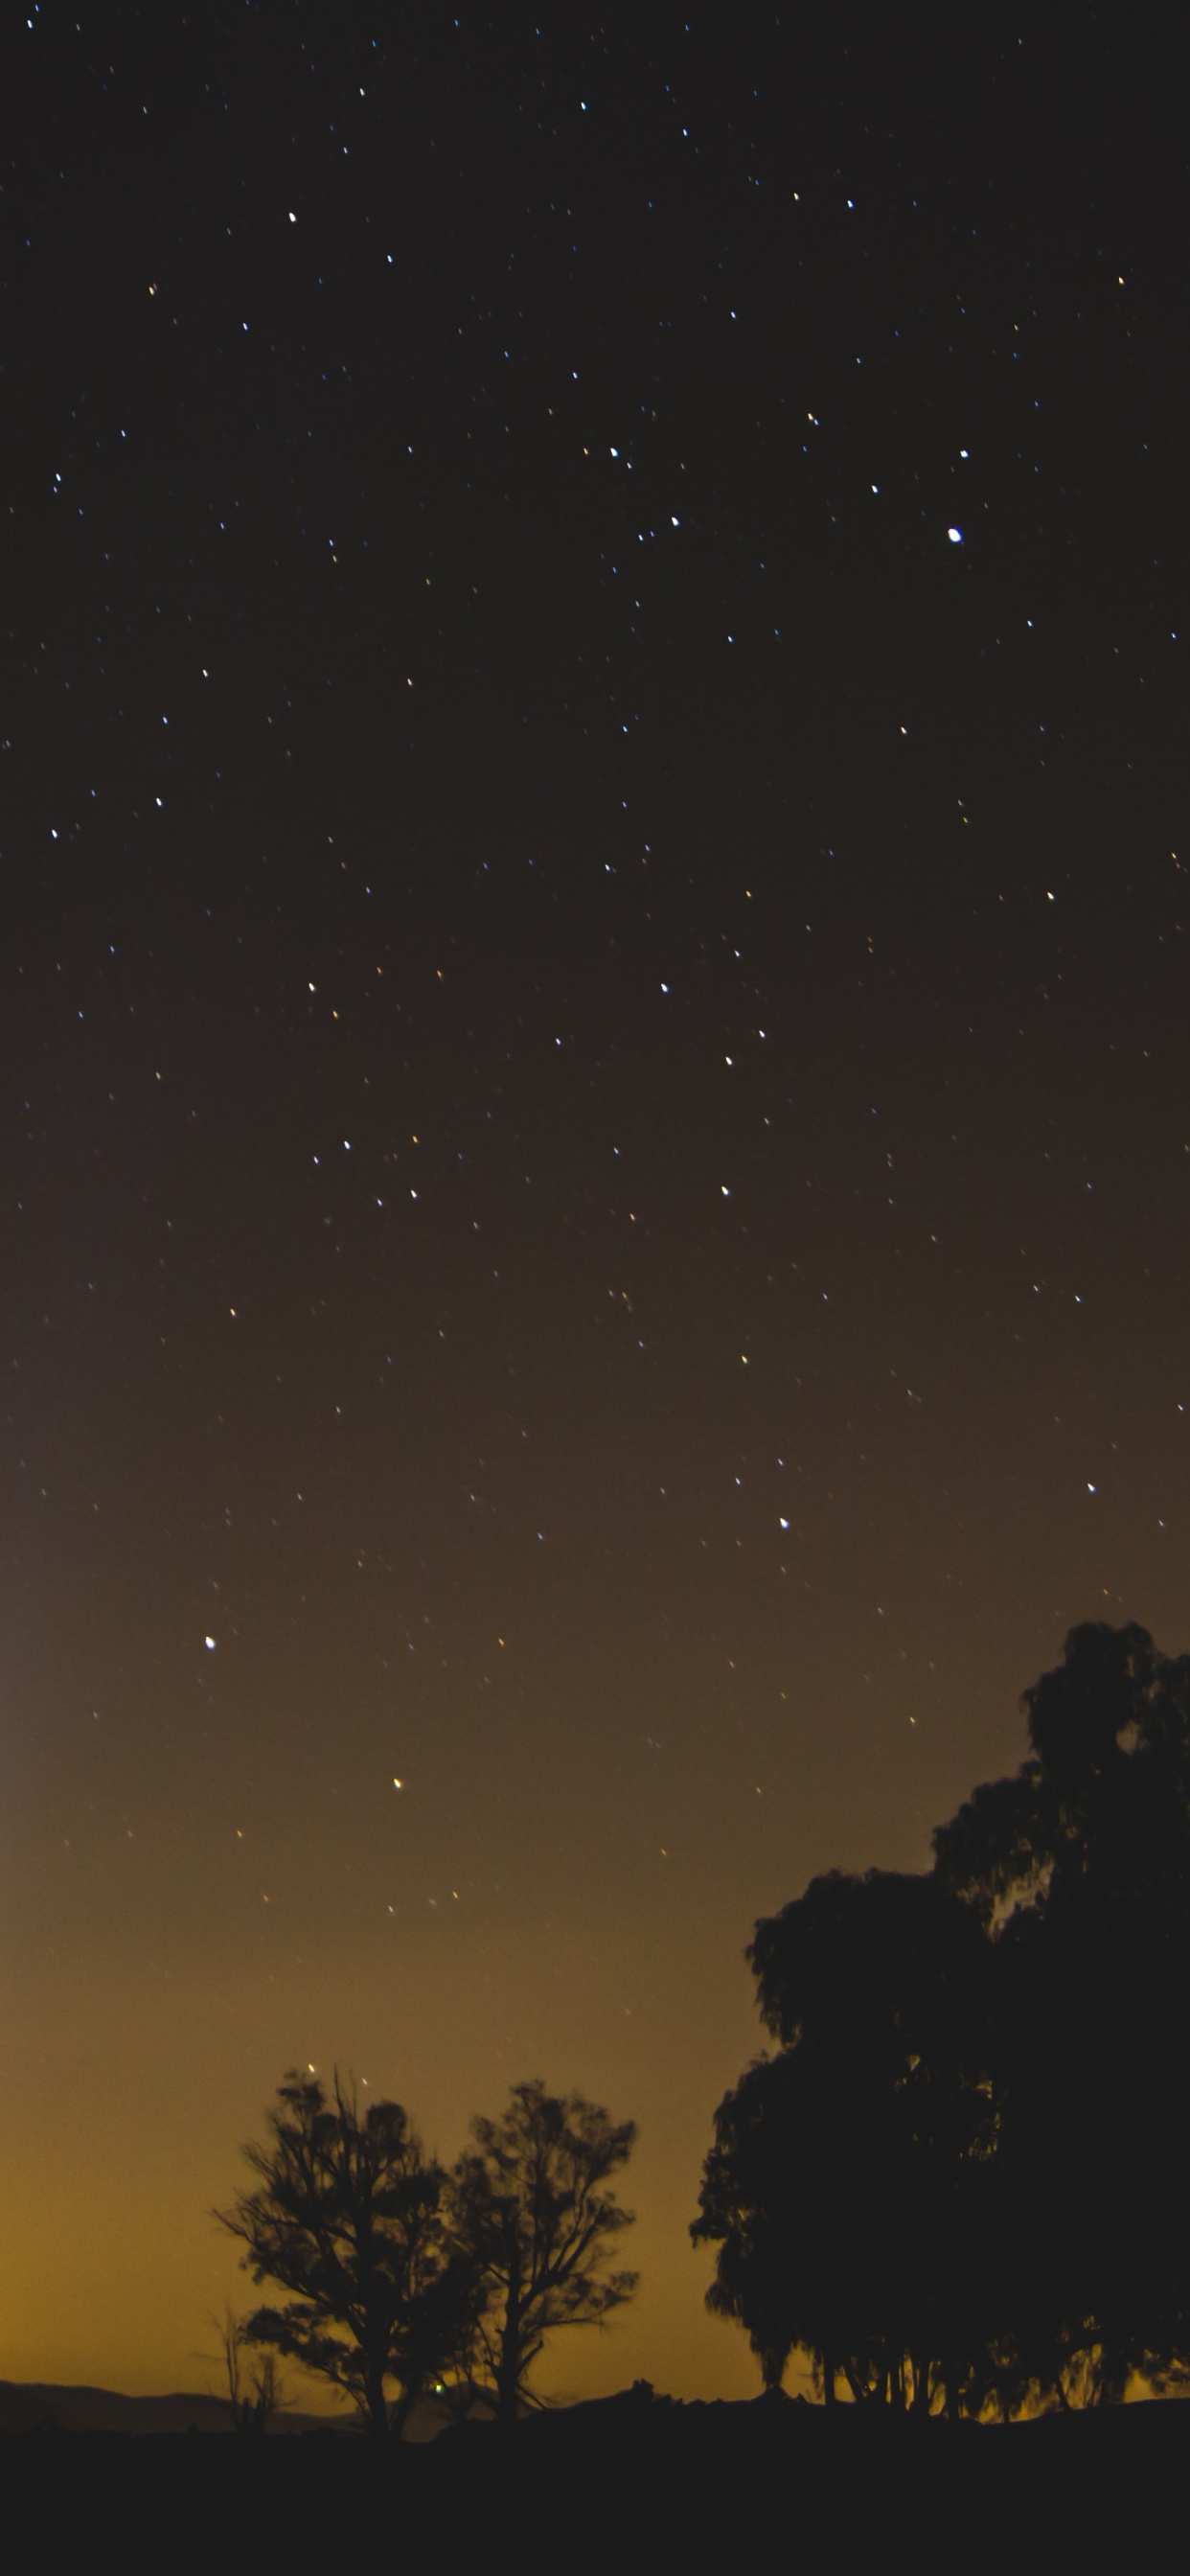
(842, 2182)
(1079, 1868)
(962, 2178)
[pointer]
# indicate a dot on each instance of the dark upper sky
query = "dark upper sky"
(596, 1132)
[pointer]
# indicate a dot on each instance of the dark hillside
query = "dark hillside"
(632, 2482)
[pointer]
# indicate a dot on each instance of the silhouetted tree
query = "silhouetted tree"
(348, 2216)
(966, 2170)
(254, 2393)
(534, 2220)
(848, 2188)
(768, 2199)
(1079, 1867)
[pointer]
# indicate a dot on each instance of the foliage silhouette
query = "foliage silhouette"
(348, 2216)
(533, 2220)
(847, 2180)
(1079, 1867)
(964, 2175)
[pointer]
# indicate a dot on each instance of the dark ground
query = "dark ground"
(624, 2484)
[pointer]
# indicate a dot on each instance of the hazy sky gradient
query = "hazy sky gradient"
(595, 1039)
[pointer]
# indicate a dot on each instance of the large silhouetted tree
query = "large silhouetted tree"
(534, 2219)
(846, 2175)
(347, 2215)
(966, 2170)
(1079, 1867)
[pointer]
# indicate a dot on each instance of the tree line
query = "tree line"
(959, 2183)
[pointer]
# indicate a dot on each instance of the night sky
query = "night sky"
(596, 1169)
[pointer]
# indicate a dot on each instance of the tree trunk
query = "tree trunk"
(508, 2375)
(402, 2411)
(375, 2400)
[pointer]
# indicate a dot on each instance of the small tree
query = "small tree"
(257, 2393)
(348, 2216)
(534, 2222)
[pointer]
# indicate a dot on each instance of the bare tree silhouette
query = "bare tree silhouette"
(255, 2387)
(534, 2219)
(347, 2215)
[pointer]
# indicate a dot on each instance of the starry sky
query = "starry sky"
(596, 1136)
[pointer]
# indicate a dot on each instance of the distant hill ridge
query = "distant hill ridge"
(26, 2404)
